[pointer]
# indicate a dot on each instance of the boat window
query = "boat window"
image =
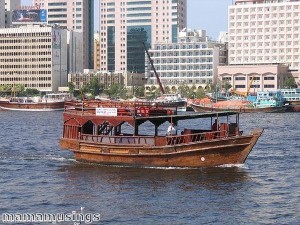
(88, 127)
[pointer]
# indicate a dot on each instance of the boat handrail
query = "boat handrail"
(125, 108)
(196, 137)
(152, 140)
(120, 139)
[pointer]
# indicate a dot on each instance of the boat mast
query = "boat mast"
(162, 90)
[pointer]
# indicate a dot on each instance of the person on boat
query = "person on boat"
(171, 129)
(215, 126)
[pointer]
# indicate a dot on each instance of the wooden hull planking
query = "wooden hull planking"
(216, 152)
(14, 106)
(293, 107)
(200, 108)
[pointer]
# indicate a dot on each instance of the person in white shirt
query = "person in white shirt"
(171, 129)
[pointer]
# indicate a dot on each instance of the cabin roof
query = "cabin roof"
(176, 118)
(157, 120)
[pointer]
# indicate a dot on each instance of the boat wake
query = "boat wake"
(234, 165)
(164, 168)
(35, 158)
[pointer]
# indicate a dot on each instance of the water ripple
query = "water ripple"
(36, 176)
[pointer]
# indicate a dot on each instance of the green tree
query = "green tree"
(200, 93)
(154, 92)
(153, 88)
(117, 91)
(5, 88)
(290, 83)
(173, 89)
(184, 90)
(71, 88)
(226, 86)
(95, 87)
(167, 90)
(139, 91)
(18, 89)
(212, 87)
(31, 92)
(84, 91)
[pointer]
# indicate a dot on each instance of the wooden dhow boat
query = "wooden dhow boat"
(50, 102)
(239, 107)
(269, 102)
(97, 133)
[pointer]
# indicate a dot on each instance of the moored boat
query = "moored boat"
(262, 102)
(292, 99)
(172, 100)
(97, 133)
(50, 102)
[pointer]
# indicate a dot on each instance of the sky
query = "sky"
(209, 15)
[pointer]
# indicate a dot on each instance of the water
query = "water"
(37, 177)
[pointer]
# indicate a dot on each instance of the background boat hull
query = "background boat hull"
(32, 106)
(200, 108)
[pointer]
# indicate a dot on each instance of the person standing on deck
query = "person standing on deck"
(171, 129)
(215, 126)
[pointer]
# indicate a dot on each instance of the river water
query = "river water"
(37, 177)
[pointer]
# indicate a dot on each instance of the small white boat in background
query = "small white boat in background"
(173, 100)
(49, 102)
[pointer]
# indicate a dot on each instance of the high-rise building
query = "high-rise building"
(264, 32)
(34, 56)
(96, 51)
(10, 5)
(76, 15)
(125, 25)
(263, 44)
(2, 14)
(192, 61)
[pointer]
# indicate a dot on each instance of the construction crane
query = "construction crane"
(249, 85)
(162, 90)
(245, 94)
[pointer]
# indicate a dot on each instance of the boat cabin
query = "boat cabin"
(141, 124)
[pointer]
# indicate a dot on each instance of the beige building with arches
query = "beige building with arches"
(265, 77)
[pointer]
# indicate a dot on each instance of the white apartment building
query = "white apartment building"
(264, 32)
(191, 61)
(76, 15)
(34, 56)
(124, 25)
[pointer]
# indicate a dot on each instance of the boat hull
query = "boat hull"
(293, 106)
(180, 105)
(206, 108)
(43, 106)
(216, 152)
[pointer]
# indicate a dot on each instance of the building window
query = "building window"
(269, 86)
(269, 78)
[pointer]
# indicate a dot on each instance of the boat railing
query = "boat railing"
(131, 140)
(154, 141)
(124, 108)
(197, 137)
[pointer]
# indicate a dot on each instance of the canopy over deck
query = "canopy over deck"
(176, 118)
